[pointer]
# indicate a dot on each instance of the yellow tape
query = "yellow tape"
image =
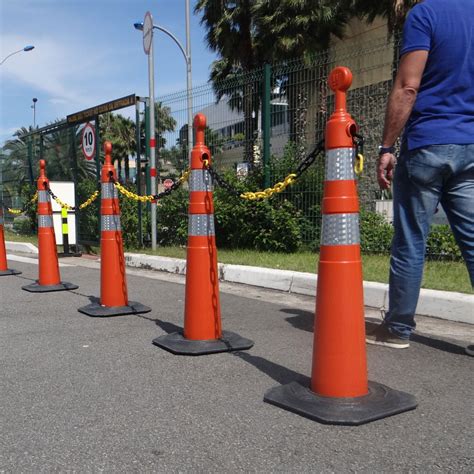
(359, 164)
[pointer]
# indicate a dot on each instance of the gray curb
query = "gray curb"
(447, 305)
(22, 247)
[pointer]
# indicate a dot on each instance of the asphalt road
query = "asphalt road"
(83, 394)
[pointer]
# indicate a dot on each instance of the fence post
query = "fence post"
(30, 159)
(138, 168)
(267, 72)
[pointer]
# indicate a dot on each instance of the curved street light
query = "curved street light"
(26, 48)
(187, 58)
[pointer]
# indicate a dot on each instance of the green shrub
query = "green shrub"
(172, 218)
(268, 226)
(375, 233)
(23, 225)
(441, 244)
(88, 218)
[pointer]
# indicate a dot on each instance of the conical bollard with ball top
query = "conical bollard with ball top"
(113, 280)
(4, 270)
(202, 332)
(49, 278)
(339, 392)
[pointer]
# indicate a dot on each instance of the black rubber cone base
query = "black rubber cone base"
(37, 288)
(380, 402)
(177, 344)
(97, 310)
(9, 271)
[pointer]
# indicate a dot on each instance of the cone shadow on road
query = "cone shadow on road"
(277, 372)
(303, 320)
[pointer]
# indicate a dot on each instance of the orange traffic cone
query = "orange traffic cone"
(49, 278)
(340, 392)
(202, 315)
(113, 282)
(4, 270)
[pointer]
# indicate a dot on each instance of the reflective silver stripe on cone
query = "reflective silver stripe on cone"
(1, 220)
(340, 229)
(200, 180)
(45, 221)
(340, 164)
(109, 191)
(111, 222)
(43, 196)
(201, 225)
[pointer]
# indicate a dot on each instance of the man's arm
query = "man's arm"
(399, 107)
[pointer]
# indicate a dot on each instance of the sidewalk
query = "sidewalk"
(446, 305)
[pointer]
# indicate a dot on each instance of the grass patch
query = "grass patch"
(447, 276)
(11, 236)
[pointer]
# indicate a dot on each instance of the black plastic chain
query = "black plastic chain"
(358, 140)
(302, 167)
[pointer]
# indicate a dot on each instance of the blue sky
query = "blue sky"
(86, 53)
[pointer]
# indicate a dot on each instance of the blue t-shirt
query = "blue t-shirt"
(444, 109)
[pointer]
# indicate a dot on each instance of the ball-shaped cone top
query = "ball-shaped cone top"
(340, 79)
(108, 152)
(42, 164)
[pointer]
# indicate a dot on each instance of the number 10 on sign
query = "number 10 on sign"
(88, 141)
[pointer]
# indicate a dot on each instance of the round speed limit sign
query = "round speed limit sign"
(88, 141)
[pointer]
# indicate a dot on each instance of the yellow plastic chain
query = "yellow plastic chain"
(20, 211)
(86, 203)
(269, 192)
(150, 197)
(359, 164)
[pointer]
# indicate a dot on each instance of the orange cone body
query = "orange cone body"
(113, 280)
(339, 392)
(339, 356)
(4, 270)
(202, 333)
(113, 283)
(49, 278)
(3, 250)
(47, 252)
(202, 315)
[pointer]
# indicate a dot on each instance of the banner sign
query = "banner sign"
(88, 114)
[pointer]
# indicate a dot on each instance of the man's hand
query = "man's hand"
(385, 166)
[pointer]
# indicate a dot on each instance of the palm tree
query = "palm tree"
(231, 31)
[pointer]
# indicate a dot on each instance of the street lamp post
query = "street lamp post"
(34, 111)
(148, 46)
(187, 58)
(26, 48)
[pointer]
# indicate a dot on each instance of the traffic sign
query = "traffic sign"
(167, 183)
(88, 141)
(147, 32)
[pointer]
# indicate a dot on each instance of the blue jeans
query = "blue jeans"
(424, 178)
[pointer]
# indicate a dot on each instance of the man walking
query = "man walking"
(433, 100)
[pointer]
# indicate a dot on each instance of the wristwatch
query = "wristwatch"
(386, 149)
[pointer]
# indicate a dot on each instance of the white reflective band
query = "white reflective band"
(109, 191)
(340, 229)
(200, 180)
(340, 164)
(43, 196)
(45, 221)
(111, 222)
(201, 225)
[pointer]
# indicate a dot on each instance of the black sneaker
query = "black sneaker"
(381, 336)
(470, 350)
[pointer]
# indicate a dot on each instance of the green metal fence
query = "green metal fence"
(272, 117)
